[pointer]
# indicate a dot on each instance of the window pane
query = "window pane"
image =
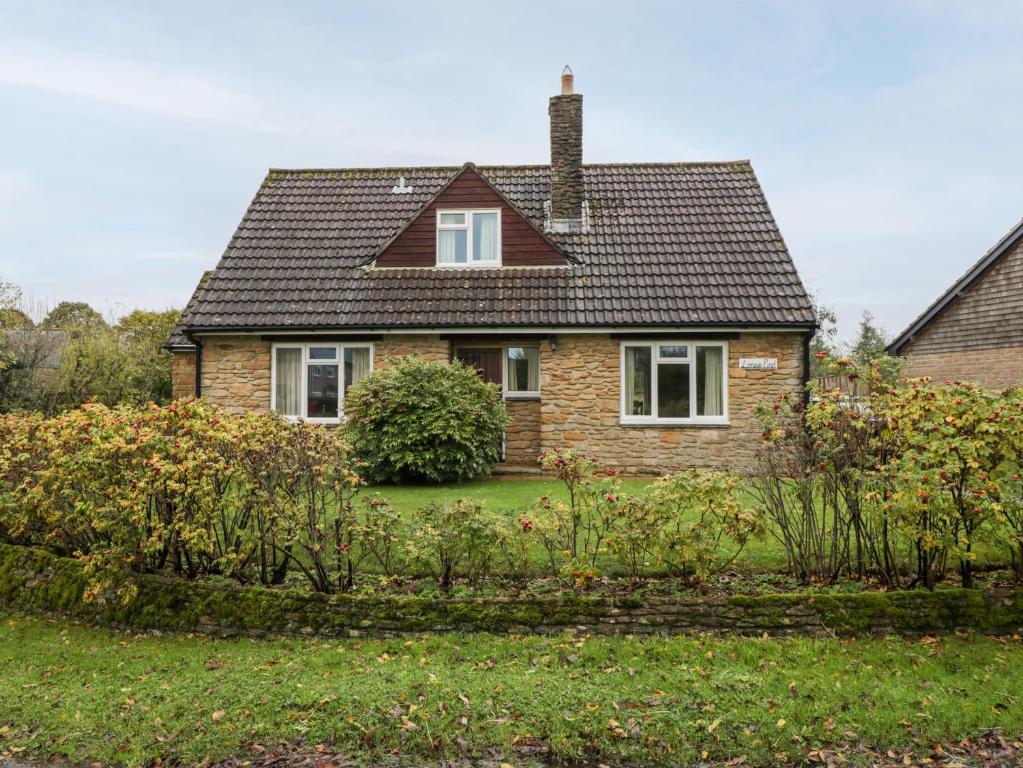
(673, 350)
(356, 365)
(288, 386)
(451, 246)
(484, 237)
(710, 400)
(322, 391)
(673, 391)
(452, 218)
(637, 381)
(523, 369)
(322, 353)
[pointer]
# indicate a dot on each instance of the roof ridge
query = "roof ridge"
(521, 166)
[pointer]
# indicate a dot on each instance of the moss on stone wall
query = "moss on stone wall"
(33, 580)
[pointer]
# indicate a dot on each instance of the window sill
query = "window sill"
(473, 265)
(521, 395)
(303, 420)
(675, 424)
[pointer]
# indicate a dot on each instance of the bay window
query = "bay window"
(675, 382)
(468, 238)
(309, 381)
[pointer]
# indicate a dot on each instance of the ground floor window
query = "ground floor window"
(514, 368)
(309, 381)
(674, 382)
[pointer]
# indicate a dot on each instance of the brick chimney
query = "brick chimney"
(566, 113)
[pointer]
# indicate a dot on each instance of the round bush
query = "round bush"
(416, 421)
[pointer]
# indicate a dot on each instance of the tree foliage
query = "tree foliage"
(75, 317)
(123, 363)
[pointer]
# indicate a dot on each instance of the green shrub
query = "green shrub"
(184, 489)
(452, 541)
(691, 524)
(425, 421)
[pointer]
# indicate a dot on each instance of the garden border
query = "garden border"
(33, 580)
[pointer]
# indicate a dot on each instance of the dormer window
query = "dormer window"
(469, 238)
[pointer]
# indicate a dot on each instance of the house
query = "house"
(974, 331)
(638, 312)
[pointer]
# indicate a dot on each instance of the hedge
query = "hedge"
(32, 580)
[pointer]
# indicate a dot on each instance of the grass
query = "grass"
(499, 493)
(91, 694)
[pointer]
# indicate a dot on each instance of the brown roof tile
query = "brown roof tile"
(668, 244)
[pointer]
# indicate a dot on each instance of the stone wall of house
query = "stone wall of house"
(182, 374)
(236, 372)
(522, 439)
(426, 346)
(581, 388)
(995, 367)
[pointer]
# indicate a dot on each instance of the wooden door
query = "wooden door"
(486, 361)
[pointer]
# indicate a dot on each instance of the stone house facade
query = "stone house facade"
(638, 312)
(974, 331)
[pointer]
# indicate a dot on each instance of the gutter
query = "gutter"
(497, 329)
(198, 362)
(807, 337)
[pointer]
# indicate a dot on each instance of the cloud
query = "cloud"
(133, 85)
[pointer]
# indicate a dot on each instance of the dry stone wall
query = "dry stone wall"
(33, 580)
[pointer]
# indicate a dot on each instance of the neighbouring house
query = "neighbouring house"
(974, 331)
(638, 311)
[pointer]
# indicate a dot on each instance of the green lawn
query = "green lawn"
(93, 694)
(499, 493)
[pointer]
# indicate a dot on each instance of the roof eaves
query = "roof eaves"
(957, 287)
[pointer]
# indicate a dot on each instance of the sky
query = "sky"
(886, 135)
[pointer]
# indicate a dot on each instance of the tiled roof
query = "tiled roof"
(667, 244)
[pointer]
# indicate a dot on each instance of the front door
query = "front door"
(488, 364)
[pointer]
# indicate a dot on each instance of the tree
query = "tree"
(73, 316)
(143, 334)
(870, 341)
(822, 345)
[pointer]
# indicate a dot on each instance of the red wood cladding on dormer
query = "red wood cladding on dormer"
(521, 244)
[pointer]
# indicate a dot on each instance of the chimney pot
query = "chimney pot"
(567, 81)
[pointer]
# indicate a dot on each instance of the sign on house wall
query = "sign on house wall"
(758, 363)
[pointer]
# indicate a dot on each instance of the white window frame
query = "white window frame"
(339, 347)
(690, 359)
(504, 347)
(468, 228)
(529, 394)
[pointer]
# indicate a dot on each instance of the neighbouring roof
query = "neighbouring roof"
(671, 244)
(960, 285)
